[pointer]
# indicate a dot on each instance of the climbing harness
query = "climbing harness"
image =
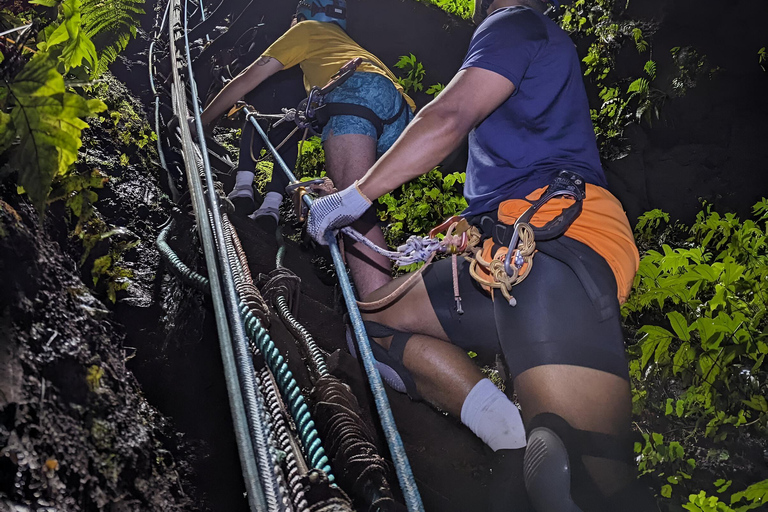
(492, 267)
(314, 112)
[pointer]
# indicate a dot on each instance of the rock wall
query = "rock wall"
(711, 143)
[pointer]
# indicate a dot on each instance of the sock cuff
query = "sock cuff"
(244, 179)
(480, 394)
(272, 199)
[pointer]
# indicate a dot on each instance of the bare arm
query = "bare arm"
(438, 129)
(242, 84)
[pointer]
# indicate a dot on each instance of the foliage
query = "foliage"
(435, 89)
(421, 204)
(87, 24)
(753, 497)
(117, 277)
(699, 313)
(623, 100)
(413, 81)
(762, 57)
(311, 159)
(41, 119)
(111, 25)
(691, 67)
(77, 191)
(44, 125)
(414, 73)
(460, 8)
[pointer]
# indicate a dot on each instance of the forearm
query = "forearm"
(435, 132)
(242, 84)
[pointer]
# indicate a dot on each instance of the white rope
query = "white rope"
(415, 249)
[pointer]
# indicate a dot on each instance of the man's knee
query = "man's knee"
(388, 347)
(556, 478)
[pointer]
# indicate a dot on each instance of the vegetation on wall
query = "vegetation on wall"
(41, 115)
(47, 91)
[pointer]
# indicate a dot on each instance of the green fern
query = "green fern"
(46, 121)
(110, 24)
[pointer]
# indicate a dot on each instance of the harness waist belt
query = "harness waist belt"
(325, 112)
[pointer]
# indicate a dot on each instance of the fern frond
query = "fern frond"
(110, 24)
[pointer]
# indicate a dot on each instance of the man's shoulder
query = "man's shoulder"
(517, 17)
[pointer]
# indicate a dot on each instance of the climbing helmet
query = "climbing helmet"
(327, 11)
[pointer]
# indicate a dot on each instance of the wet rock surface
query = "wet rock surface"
(76, 431)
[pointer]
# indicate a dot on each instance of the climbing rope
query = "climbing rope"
(246, 403)
(294, 465)
(288, 388)
(259, 338)
(177, 266)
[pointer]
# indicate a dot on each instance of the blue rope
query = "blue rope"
(289, 388)
(396, 448)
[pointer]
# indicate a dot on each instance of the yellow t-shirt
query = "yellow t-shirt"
(322, 49)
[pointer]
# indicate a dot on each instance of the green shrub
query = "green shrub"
(421, 204)
(698, 311)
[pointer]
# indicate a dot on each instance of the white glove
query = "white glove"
(336, 211)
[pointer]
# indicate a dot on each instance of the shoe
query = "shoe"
(242, 199)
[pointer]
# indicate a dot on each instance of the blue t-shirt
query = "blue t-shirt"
(544, 126)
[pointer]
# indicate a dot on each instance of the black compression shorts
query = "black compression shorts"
(555, 321)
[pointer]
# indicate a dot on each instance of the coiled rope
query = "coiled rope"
(349, 441)
(260, 340)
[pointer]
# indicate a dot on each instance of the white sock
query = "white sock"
(493, 417)
(272, 200)
(270, 206)
(244, 179)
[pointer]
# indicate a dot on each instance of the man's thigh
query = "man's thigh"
(411, 312)
(348, 157)
(428, 307)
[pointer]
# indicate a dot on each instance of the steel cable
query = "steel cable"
(247, 442)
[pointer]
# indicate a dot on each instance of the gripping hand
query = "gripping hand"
(336, 211)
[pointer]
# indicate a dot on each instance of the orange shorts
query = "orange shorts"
(602, 226)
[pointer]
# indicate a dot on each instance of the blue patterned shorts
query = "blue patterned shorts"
(379, 94)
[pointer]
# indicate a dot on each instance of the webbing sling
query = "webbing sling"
(328, 110)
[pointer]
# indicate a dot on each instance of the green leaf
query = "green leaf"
(757, 402)
(640, 86)
(666, 491)
(756, 493)
(679, 325)
(48, 124)
(45, 3)
(650, 344)
(7, 131)
(100, 267)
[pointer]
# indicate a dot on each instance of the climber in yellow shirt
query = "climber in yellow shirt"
(353, 138)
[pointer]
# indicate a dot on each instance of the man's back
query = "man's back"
(321, 49)
(544, 126)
